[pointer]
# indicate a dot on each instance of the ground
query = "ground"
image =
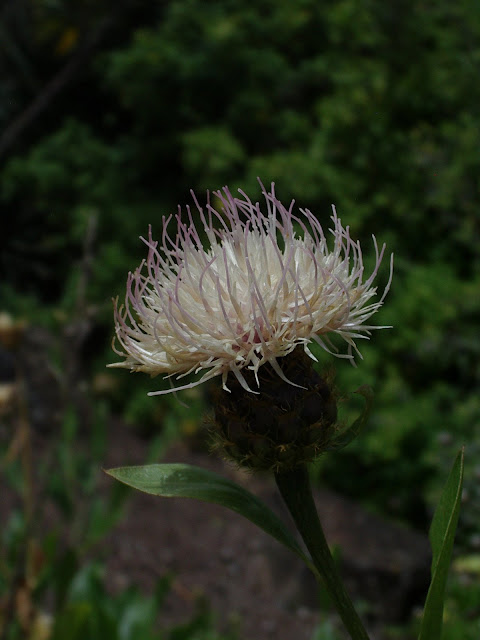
(247, 577)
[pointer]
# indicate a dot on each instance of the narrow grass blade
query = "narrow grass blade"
(442, 534)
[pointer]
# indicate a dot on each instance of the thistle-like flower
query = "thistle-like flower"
(266, 283)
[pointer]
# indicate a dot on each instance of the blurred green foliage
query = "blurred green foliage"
(371, 106)
(461, 620)
(50, 587)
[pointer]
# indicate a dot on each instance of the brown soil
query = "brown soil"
(248, 578)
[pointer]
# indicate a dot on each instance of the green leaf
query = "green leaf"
(442, 534)
(350, 433)
(186, 481)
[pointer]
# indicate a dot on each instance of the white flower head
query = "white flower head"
(267, 283)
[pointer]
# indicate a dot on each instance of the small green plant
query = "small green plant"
(245, 310)
(50, 589)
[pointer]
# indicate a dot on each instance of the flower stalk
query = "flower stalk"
(295, 489)
(244, 305)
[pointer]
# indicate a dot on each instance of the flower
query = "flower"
(285, 425)
(266, 283)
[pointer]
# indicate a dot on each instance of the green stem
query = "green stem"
(297, 494)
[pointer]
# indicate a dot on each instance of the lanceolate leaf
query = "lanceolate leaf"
(442, 534)
(350, 433)
(186, 481)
